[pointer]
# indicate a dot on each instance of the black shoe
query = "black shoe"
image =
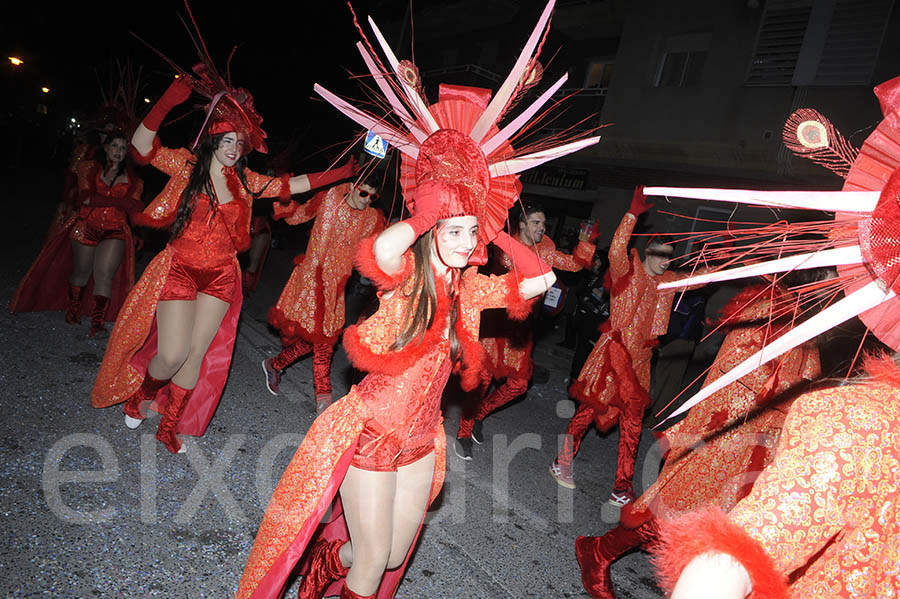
(273, 377)
(463, 448)
(478, 432)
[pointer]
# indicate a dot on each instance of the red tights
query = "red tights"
(629, 438)
(512, 388)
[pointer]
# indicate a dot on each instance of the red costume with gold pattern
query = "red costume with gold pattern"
(615, 380)
(205, 251)
(822, 519)
(310, 311)
(510, 342)
(99, 212)
(392, 417)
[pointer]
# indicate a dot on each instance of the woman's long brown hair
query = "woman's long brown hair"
(423, 302)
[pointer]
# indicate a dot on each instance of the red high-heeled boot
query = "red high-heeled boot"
(165, 434)
(98, 314)
(73, 312)
(348, 594)
(135, 408)
(324, 568)
(596, 554)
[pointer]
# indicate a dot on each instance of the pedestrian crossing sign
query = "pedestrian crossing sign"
(375, 146)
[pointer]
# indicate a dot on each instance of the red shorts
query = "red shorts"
(378, 452)
(91, 232)
(185, 281)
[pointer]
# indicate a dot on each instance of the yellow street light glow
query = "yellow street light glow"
(147, 100)
(46, 90)
(16, 61)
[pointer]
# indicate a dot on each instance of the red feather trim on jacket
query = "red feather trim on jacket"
(710, 530)
(284, 196)
(516, 307)
(882, 368)
(367, 265)
(241, 235)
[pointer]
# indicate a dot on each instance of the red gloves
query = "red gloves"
(429, 201)
(525, 260)
(589, 231)
(178, 92)
(639, 202)
(350, 169)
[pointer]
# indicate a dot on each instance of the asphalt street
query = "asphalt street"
(92, 509)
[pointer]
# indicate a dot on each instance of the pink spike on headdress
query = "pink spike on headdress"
(856, 303)
(523, 163)
(828, 201)
(381, 79)
(517, 123)
(501, 98)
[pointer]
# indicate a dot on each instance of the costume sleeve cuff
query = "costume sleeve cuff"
(710, 531)
(516, 307)
(584, 253)
(142, 160)
(282, 210)
(368, 267)
(284, 194)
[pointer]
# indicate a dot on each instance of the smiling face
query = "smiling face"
(361, 196)
(456, 240)
(232, 146)
(657, 258)
(116, 149)
(531, 231)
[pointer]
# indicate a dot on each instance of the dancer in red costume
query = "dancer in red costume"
(92, 252)
(171, 348)
(509, 344)
(310, 312)
(382, 444)
(821, 520)
(615, 380)
(717, 451)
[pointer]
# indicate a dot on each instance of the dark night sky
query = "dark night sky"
(284, 49)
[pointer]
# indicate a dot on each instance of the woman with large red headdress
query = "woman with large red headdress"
(171, 347)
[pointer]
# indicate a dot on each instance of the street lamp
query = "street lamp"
(46, 90)
(16, 62)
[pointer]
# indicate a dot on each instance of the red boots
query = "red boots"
(348, 594)
(73, 312)
(134, 408)
(165, 434)
(98, 314)
(595, 554)
(324, 568)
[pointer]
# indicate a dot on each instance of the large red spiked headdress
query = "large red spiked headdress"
(229, 108)
(119, 107)
(862, 242)
(456, 142)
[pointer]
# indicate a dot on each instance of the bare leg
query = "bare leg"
(106, 262)
(410, 502)
(175, 324)
(208, 315)
(83, 259)
(368, 500)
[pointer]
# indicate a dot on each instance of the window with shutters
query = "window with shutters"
(818, 42)
(683, 60)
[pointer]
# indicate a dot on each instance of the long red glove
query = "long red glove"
(350, 169)
(178, 92)
(639, 202)
(428, 204)
(525, 260)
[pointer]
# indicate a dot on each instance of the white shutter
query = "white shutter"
(778, 44)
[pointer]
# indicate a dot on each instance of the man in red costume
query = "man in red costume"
(310, 312)
(508, 342)
(614, 383)
(715, 454)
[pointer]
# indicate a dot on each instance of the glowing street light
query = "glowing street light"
(46, 90)
(16, 62)
(146, 100)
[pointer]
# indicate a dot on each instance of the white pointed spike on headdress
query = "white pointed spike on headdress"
(498, 102)
(390, 96)
(511, 129)
(829, 201)
(523, 163)
(832, 257)
(856, 303)
(419, 106)
(390, 135)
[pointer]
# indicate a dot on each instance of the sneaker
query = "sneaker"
(562, 474)
(478, 432)
(463, 448)
(323, 400)
(621, 498)
(132, 423)
(273, 377)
